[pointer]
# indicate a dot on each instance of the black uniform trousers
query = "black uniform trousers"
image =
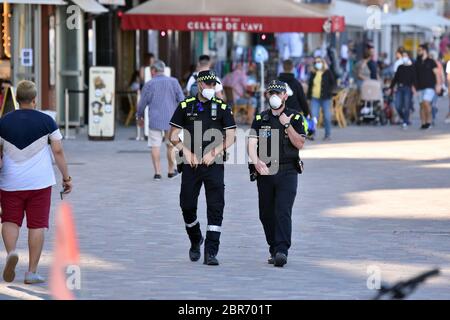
(191, 182)
(276, 195)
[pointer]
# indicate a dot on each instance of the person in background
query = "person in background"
(162, 95)
(297, 101)
(251, 91)
(427, 84)
(4, 85)
(144, 71)
(237, 81)
(320, 92)
(441, 79)
(405, 80)
(362, 70)
(135, 82)
(345, 55)
(399, 58)
(204, 64)
(384, 65)
(371, 63)
(447, 119)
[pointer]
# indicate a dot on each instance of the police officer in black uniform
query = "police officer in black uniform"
(209, 129)
(276, 137)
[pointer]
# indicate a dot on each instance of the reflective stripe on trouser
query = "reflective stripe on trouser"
(191, 181)
(276, 198)
(192, 227)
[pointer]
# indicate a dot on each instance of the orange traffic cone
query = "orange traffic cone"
(66, 252)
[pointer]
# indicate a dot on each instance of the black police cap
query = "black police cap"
(208, 76)
(277, 86)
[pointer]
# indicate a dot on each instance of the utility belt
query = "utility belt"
(180, 160)
(297, 165)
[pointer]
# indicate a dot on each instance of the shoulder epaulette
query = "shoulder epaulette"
(300, 117)
(186, 101)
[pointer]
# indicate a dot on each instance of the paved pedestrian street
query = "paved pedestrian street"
(371, 199)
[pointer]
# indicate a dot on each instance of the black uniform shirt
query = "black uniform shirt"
(213, 114)
(261, 129)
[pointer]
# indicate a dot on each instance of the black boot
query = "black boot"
(194, 251)
(210, 259)
(280, 259)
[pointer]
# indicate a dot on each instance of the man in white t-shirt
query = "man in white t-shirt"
(27, 177)
(204, 64)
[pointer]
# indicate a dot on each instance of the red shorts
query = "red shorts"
(34, 203)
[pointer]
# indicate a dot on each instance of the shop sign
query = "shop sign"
(225, 24)
(26, 57)
(101, 102)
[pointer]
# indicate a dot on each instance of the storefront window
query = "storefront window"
(5, 47)
(24, 42)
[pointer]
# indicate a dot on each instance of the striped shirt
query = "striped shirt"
(162, 95)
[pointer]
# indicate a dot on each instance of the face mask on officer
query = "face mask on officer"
(208, 91)
(275, 101)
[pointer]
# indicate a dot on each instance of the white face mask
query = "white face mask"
(319, 66)
(275, 102)
(208, 93)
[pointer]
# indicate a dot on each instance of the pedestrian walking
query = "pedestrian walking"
(297, 101)
(439, 91)
(427, 84)
(27, 177)
(320, 92)
(161, 95)
(277, 168)
(447, 119)
(399, 58)
(404, 81)
(200, 116)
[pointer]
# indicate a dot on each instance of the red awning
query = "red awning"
(230, 15)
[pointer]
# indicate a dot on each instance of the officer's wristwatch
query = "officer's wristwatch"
(287, 125)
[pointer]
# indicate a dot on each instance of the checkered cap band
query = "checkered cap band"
(207, 78)
(276, 87)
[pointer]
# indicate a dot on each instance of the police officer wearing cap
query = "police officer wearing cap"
(276, 137)
(209, 129)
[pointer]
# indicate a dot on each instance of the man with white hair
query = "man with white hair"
(162, 95)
